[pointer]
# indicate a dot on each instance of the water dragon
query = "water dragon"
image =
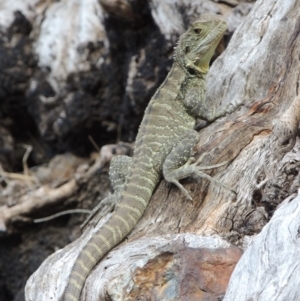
(163, 147)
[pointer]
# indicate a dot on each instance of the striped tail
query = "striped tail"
(126, 215)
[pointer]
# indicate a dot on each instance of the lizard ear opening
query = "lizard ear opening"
(187, 49)
(191, 71)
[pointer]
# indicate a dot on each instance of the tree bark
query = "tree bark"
(258, 76)
(269, 268)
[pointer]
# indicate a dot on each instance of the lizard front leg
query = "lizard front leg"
(179, 164)
(194, 101)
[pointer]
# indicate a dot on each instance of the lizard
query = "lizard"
(163, 147)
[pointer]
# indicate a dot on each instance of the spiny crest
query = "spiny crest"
(175, 48)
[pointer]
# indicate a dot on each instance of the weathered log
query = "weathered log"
(269, 269)
(48, 186)
(258, 75)
(104, 98)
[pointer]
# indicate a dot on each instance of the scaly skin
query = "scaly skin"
(163, 144)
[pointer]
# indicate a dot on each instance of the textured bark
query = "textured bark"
(69, 70)
(258, 76)
(174, 267)
(269, 269)
(258, 73)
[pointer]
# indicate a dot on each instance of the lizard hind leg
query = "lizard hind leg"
(118, 169)
(179, 164)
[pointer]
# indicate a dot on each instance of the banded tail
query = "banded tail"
(129, 210)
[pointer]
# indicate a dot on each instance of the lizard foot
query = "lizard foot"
(191, 168)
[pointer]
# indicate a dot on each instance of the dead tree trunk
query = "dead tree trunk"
(258, 75)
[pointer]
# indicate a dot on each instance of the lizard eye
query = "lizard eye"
(197, 30)
(187, 49)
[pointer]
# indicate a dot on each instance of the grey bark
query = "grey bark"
(269, 269)
(258, 77)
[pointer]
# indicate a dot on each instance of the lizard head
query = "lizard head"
(196, 47)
